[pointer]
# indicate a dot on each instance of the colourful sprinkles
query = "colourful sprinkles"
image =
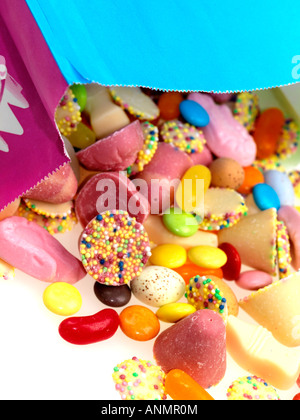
(283, 251)
(289, 140)
(246, 109)
(68, 115)
(183, 136)
(137, 379)
(135, 102)
(251, 388)
(294, 177)
(203, 293)
(114, 248)
(151, 136)
(54, 225)
(232, 209)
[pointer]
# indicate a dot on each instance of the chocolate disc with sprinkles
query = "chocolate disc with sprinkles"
(54, 225)
(246, 109)
(68, 115)
(183, 136)
(151, 138)
(136, 102)
(49, 210)
(203, 293)
(114, 248)
(289, 140)
(223, 208)
(251, 388)
(137, 379)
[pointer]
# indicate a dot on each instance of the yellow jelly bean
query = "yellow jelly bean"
(173, 312)
(190, 192)
(82, 137)
(168, 255)
(62, 299)
(207, 256)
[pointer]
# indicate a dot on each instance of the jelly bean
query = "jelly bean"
(90, 329)
(180, 223)
(232, 268)
(79, 91)
(207, 256)
(168, 255)
(111, 295)
(82, 137)
(139, 323)
(173, 312)
(194, 113)
(181, 386)
(265, 197)
(187, 271)
(252, 177)
(267, 131)
(62, 299)
(254, 280)
(168, 105)
(192, 188)
(296, 397)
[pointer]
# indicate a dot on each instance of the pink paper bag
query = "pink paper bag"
(31, 86)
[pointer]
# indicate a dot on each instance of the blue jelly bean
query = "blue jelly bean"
(194, 113)
(265, 197)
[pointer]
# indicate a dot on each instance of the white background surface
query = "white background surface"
(36, 363)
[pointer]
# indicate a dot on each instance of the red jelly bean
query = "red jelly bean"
(90, 329)
(232, 269)
(296, 397)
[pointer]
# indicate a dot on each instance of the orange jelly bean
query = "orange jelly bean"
(253, 176)
(139, 323)
(181, 386)
(168, 105)
(267, 131)
(190, 270)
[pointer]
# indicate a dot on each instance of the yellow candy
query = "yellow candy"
(207, 256)
(190, 192)
(62, 299)
(82, 137)
(168, 255)
(173, 312)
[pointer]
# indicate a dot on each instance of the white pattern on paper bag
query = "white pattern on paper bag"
(10, 95)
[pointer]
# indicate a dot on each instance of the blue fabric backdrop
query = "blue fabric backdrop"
(174, 45)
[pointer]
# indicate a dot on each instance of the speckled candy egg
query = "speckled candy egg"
(226, 173)
(157, 286)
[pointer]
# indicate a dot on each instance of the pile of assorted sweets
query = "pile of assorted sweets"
(179, 196)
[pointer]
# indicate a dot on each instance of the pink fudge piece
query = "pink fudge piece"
(225, 136)
(30, 248)
(291, 218)
(196, 345)
(204, 158)
(116, 152)
(110, 191)
(58, 188)
(168, 165)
